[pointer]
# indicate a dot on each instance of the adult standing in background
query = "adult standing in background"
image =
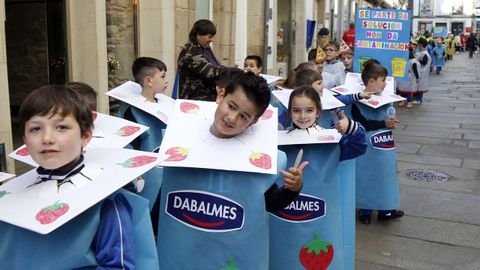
(471, 44)
(349, 35)
(197, 66)
(323, 37)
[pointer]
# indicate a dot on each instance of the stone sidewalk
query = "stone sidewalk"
(441, 229)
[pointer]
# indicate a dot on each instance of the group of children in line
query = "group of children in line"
(353, 173)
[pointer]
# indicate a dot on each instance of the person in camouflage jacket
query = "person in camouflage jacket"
(197, 66)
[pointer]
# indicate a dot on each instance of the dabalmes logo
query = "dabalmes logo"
(205, 211)
(305, 208)
(382, 140)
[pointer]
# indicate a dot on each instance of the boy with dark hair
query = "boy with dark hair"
(377, 183)
(248, 195)
(86, 92)
(226, 76)
(56, 125)
(150, 74)
(332, 65)
(253, 63)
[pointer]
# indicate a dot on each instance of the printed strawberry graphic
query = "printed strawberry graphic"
(267, 115)
(177, 153)
(260, 160)
(188, 107)
(316, 254)
(231, 265)
(137, 161)
(326, 138)
(3, 193)
(127, 131)
(23, 152)
(340, 89)
(50, 213)
(373, 102)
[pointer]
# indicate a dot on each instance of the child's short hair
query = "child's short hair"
(372, 69)
(422, 42)
(307, 77)
(349, 51)
(307, 91)
(324, 32)
(86, 92)
(306, 65)
(312, 55)
(202, 27)
(56, 99)
(333, 43)
(255, 88)
(146, 66)
(228, 75)
(256, 58)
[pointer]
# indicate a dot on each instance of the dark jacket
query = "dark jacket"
(197, 75)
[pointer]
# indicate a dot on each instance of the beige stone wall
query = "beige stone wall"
(255, 27)
(224, 16)
(120, 39)
(184, 20)
(5, 123)
(27, 49)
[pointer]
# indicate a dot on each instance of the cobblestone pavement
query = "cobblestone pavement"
(441, 228)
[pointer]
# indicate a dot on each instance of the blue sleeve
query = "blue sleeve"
(114, 242)
(353, 145)
(349, 99)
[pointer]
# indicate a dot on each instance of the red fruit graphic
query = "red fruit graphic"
(231, 265)
(260, 160)
(50, 213)
(326, 138)
(177, 153)
(188, 107)
(340, 89)
(316, 254)
(373, 102)
(137, 161)
(267, 115)
(23, 152)
(127, 131)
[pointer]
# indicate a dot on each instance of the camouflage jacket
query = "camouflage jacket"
(197, 75)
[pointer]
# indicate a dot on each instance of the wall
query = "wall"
(120, 39)
(224, 18)
(184, 20)
(255, 26)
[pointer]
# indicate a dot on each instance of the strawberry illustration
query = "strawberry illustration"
(326, 138)
(23, 152)
(340, 89)
(50, 213)
(260, 160)
(373, 102)
(231, 265)
(316, 254)
(3, 193)
(127, 131)
(267, 115)
(137, 161)
(177, 153)
(188, 107)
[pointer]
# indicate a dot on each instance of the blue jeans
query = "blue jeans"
(409, 97)
(418, 97)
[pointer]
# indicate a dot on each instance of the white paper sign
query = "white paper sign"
(377, 101)
(109, 132)
(270, 78)
(5, 176)
(310, 136)
(328, 100)
(43, 206)
(189, 143)
(354, 84)
(130, 92)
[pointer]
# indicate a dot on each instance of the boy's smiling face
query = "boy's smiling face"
(54, 141)
(235, 113)
(251, 65)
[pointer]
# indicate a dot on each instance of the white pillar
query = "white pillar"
(156, 34)
(87, 46)
(5, 124)
(241, 36)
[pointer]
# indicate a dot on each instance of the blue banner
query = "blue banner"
(440, 31)
(383, 34)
